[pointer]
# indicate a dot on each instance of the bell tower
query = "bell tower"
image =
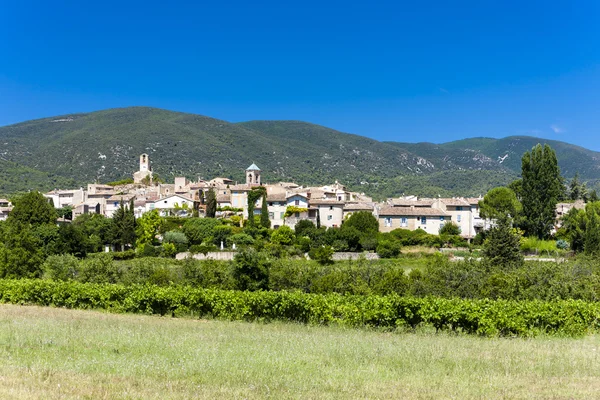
(253, 175)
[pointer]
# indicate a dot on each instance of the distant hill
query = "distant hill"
(104, 146)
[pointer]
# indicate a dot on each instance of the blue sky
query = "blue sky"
(405, 71)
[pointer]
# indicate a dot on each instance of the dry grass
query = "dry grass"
(48, 353)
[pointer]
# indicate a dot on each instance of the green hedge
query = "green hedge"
(482, 317)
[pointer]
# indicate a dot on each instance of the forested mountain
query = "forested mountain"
(104, 146)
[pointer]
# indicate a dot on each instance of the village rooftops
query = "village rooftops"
(456, 202)
(411, 203)
(358, 207)
(120, 197)
(277, 197)
(410, 211)
(330, 202)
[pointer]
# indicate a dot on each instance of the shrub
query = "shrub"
(99, 268)
(283, 235)
(251, 270)
(388, 249)
(322, 254)
(61, 267)
(169, 250)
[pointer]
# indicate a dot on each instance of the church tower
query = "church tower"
(253, 175)
(145, 170)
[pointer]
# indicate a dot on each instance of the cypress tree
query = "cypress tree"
(542, 188)
(264, 214)
(591, 244)
(211, 203)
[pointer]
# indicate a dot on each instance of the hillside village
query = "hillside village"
(331, 204)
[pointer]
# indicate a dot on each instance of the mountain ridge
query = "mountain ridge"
(104, 146)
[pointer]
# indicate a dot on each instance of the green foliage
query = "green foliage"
(265, 222)
(480, 317)
(125, 181)
(251, 270)
(322, 254)
(61, 267)
(534, 245)
(388, 248)
(211, 203)
(591, 244)
(169, 250)
(254, 195)
(542, 188)
(304, 227)
(148, 227)
(20, 252)
(99, 269)
(498, 202)
(32, 209)
(175, 237)
(283, 235)
(450, 229)
(363, 221)
(241, 239)
(199, 230)
(502, 246)
(124, 226)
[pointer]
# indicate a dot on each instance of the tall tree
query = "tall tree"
(576, 189)
(542, 188)
(123, 225)
(591, 244)
(211, 203)
(264, 213)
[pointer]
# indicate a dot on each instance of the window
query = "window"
(458, 218)
(281, 215)
(423, 220)
(270, 204)
(403, 221)
(329, 217)
(459, 208)
(297, 215)
(330, 208)
(388, 221)
(441, 218)
(271, 215)
(296, 202)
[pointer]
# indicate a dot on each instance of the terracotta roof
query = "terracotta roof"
(409, 211)
(358, 206)
(455, 202)
(415, 203)
(325, 202)
(473, 200)
(296, 194)
(119, 197)
(276, 197)
(223, 198)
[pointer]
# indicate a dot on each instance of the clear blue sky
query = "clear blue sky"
(405, 71)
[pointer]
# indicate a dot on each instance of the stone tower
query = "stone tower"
(145, 170)
(253, 175)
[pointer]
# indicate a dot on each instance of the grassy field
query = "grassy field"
(48, 353)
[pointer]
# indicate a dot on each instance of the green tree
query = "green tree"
(123, 226)
(251, 270)
(502, 246)
(21, 255)
(364, 221)
(304, 227)
(283, 235)
(253, 196)
(450, 229)
(148, 227)
(542, 188)
(576, 189)
(265, 222)
(199, 230)
(500, 201)
(591, 244)
(211, 203)
(32, 208)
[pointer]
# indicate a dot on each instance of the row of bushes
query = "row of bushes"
(481, 317)
(577, 279)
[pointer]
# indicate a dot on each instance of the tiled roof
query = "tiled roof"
(276, 197)
(358, 207)
(253, 167)
(410, 211)
(457, 202)
(223, 198)
(415, 203)
(325, 202)
(119, 197)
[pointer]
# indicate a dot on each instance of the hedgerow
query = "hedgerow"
(480, 317)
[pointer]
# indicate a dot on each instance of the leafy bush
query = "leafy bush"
(251, 270)
(480, 317)
(99, 268)
(322, 254)
(388, 248)
(61, 267)
(283, 235)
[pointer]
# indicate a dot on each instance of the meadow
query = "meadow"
(51, 353)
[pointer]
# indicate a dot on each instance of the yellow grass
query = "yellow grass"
(48, 353)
